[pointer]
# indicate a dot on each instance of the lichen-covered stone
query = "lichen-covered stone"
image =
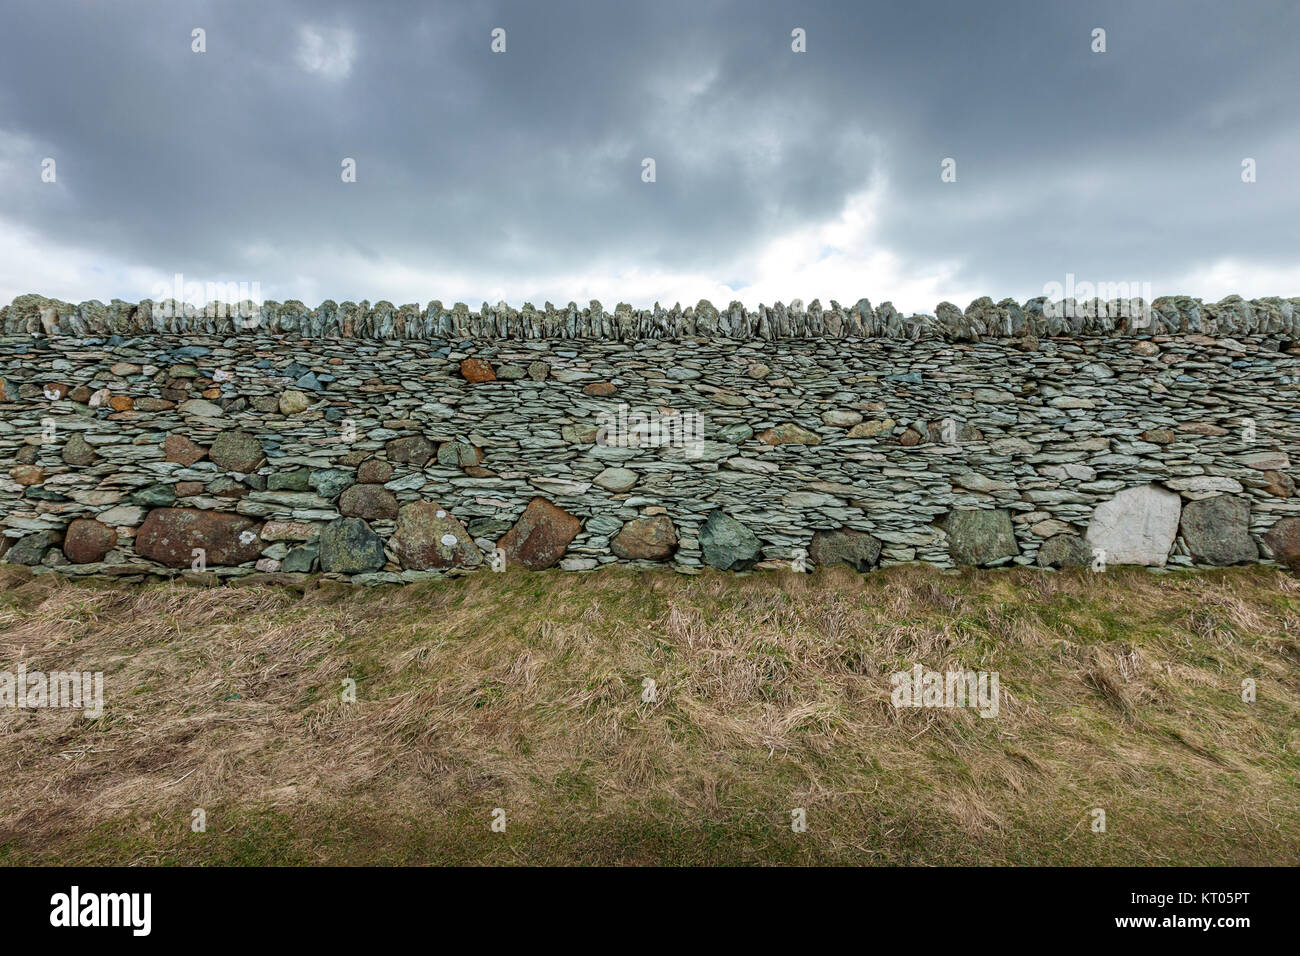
(372, 502)
(31, 548)
(1136, 526)
(374, 471)
(236, 451)
(349, 546)
(301, 559)
(1283, 540)
(458, 454)
(27, 474)
(981, 537)
(413, 449)
(1064, 551)
(428, 537)
(789, 434)
(171, 535)
(155, 496)
(1217, 530)
(295, 480)
(329, 482)
(180, 449)
(646, 539)
(858, 549)
(293, 402)
(78, 452)
(477, 370)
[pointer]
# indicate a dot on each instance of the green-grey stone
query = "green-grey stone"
(727, 544)
(155, 496)
(348, 546)
(981, 537)
(330, 482)
(457, 454)
(295, 480)
(302, 558)
(488, 527)
(31, 548)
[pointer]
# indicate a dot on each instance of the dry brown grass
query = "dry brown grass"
(523, 691)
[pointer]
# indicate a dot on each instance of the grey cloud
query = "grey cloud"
(526, 165)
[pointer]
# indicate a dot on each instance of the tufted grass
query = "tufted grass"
(523, 691)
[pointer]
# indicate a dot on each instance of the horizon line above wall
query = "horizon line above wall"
(982, 320)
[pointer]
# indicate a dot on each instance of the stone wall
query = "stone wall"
(387, 445)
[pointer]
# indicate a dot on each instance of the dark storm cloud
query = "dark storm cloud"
(511, 170)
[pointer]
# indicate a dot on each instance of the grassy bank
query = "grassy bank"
(524, 692)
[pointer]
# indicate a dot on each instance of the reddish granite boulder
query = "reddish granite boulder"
(180, 449)
(169, 535)
(477, 370)
(646, 539)
(372, 502)
(87, 541)
(413, 449)
(427, 536)
(1283, 539)
(540, 536)
(374, 471)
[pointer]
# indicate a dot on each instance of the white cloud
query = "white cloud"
(329, 52)
(30, 263)
(1231, 276)
(838, 259)
(841, 258)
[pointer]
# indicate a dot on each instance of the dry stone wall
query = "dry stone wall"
(386, 445)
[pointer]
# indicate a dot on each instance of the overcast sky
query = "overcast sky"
(518, 175)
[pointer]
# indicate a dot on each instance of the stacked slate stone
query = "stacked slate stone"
(386, 444)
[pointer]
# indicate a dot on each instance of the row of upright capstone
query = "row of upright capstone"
(982, 319)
